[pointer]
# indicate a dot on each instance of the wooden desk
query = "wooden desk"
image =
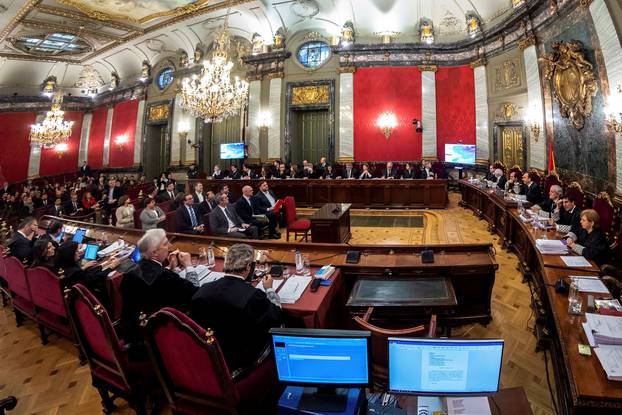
(375, 193)
(331, 224)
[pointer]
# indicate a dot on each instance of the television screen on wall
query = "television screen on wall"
(232, 151)
(460, 153)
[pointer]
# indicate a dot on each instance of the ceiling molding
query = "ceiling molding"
(37, 24)
(23, 12)
(70, 14)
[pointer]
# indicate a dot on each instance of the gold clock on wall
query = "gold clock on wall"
(572, 81)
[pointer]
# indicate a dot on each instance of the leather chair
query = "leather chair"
(193, 371)
(19, 290)
(550, 180)
(295, 225)
(112, 372)
(575, 189)
(603, 206)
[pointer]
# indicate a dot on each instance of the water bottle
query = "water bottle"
(211, 261)
(575, 301)
(299, 263)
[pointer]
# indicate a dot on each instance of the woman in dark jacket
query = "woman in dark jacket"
(43, 253)
(590, 241)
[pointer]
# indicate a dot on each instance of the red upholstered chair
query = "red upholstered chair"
(294, 224)
(112, 373)
(439, 169)
(166, 206)
(193, 371)
(575, 189)
(550, 180)
(603, 206)
(170, 224)
(137, 211)
(19, 290)
(4, 293)
(46, 289)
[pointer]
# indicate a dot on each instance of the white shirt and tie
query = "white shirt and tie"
(110, 193)
(200, 197)
(193, 217)
(248, 199)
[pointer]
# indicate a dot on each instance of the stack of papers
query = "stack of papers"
(606, 330)
(551, 247)
(293, 288)
(576, 261)
(610, 358)
(590, 284)
(111, 248)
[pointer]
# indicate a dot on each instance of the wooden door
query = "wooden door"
(513, 146)
(155, 160)
(314, 135)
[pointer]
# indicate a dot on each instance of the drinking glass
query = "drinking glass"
(306, 265)
(202, 255)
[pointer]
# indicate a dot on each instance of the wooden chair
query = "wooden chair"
(604, 207)
(46, 289)
(550, 180)
(380, 344)
(295, 225)
(112, 372)
(574, 188)
(19, 290)
(193, 371)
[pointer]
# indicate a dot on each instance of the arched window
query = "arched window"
(165, 78)
(313, 54)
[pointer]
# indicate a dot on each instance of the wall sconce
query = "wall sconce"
(613, 111)
(120, 141)
(61, 149)
(533, 121)
(387, 121)
(347, 34)
(264, 121)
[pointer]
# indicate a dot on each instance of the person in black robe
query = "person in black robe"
(590, 241)
(569, 216)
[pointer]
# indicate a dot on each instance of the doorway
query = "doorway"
(154, 150)
(311, 138)
(510, 144)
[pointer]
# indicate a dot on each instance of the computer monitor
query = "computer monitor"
(78, 237)
(90, 254)
(232, 151)
(460, 153)
(444, 366)
(322, 360)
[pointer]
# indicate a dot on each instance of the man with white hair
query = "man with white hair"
(499, 178)
(155, 285)
(553, 203)
(240, 314)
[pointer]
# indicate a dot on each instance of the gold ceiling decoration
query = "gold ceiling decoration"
(135, 12)
(307, 95)
(572, 81)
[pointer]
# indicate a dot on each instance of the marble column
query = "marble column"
(482, 139)
(535, 109)
(274, 107)
(183, 129)
(345, 138)
(619, 163)
(106, 158)
(428, 111)
(83, 152)
(254, 106)
(138, 135)
(34, 161)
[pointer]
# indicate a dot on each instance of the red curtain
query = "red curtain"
(394, 89)
(123, 125)
(455, 107)
(14, 145)
(96, 138)
(51, 163)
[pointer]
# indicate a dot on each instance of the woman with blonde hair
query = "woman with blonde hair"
(125, 213)
(590, 241)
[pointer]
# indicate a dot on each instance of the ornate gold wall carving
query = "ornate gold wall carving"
(572, 81)
(306, 95)
(158, 113)
(507, 75)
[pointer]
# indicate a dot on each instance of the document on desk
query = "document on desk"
(477, 405)
(606, 329)
(610, 358)
(589, 284)
(575, 261)
(293, 288)
(275, 284)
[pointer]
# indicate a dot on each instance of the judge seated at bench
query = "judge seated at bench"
(531, 190)
(499, 178)
(590, 241)
(365, 174)
(349, 172)
(409, 172)
(389, 172)
(553, 202)
(224, 221)
(567, 216)
(513, 184)
(426, 171)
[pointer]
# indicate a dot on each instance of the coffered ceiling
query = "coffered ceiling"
(117, 35)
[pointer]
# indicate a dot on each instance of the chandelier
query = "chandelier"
(212, 95)
(53, 130)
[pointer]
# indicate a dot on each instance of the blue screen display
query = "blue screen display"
(136, 256)
(460, 153)
(91, 252)
(428, 366)
(321, 360)
(78, 237)
(232, 151)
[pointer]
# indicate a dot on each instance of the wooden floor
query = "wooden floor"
(49, 380)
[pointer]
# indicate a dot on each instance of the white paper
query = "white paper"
(588, 334)
(606, 329)
(551, 246)
(610, 358)
(293, 288)
(468, 406)
(575, 261)
(590, 284)
(104, 252)
(275, 284)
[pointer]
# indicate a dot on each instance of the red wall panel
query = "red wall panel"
(51, 163)
(455, 107)
(96, 138)
(14, 145)
(394, 89)
(123, 124)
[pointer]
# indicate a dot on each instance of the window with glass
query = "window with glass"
(165, 78)
(52, 44)
(313, 54)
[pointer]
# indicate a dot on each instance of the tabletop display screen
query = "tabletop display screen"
(91, 252)
(78, 237)
(460, 153)
(232, 151)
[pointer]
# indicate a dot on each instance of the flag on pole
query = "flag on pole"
(551, 159)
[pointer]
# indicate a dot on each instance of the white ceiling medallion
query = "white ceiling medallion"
(305, 9)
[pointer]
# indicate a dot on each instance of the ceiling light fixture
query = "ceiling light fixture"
(53, 130)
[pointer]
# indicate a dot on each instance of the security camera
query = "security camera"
(417, 124)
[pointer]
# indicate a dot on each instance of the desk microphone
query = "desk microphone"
(561, 286)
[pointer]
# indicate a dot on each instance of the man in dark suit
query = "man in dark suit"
(321, 167)
(568, 216)
(188, 218)
(554, 200)
(245, 209)
(224, 221)
(200, 199)
(111, 195)
(217, 173)
(531, 190)
(85, 170)
(234, 173)
(20, 244)
(239, 314)
(390, 172)
(365, 173)
(72, 207)
(426, 171)
(168, 193)
(248, 173)
(281, 173)
(56, 209)
(349, 172)
(500, 178)
(264, 205)
(42, 201)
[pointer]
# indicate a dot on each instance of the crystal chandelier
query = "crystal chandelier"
(53, 130)
(212, 95)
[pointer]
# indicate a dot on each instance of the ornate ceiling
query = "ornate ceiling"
(120, 34)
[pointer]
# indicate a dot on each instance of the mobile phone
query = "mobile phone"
(251, 273)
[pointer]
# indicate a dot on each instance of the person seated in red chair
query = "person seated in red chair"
(240, 314)
(218, 173)
(590, 241)
(73, 207)
(168, 193)
(224, 221)
(426, 171)
(567, 216)
(234, 173)
(513, 184)
(531, 190)
(245, 209)
(266, 204)
(365, 174)
(389, 172)
(20, 244)
(349, 172)
(553, 202)
(188, 218)
(89, 202)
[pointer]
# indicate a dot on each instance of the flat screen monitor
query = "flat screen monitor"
(78, 237)
(460, 153)
(90, 254)
(444, 366)
(323, 359)
(232, 151)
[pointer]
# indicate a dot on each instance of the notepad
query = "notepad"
(293, 288)
(605, 329)
(610, 358)
(476, 405)
(575, 261)
(275, 284)
(590, 284)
